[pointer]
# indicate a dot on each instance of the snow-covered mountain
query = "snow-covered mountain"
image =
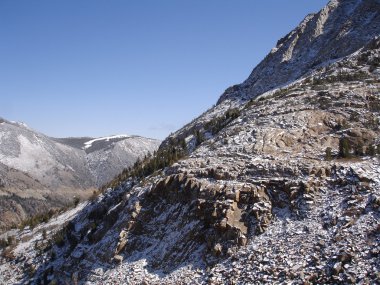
(280, 185)
(58, 169)
(108, 156)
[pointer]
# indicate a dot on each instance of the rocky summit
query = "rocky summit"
(279, 183)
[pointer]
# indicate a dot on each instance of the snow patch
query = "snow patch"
(89, 143)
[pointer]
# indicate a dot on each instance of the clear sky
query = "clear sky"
(146, 67)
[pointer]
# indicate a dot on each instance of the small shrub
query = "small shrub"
(93, 226)
(76, 201)
(251, 103)
(354, 117)
(372, 123)
(8, 253)
(93, 196)
(371, 151)
(3, 243)
(11, 240)
(359, 149)
(341, 125)
(59, 238)
(374, 103)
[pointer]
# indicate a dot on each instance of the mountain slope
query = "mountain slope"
(339, 29)
(34, 153)
(53, 171)
(116, 154)
(283, 188)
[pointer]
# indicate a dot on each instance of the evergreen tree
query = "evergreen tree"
(371, 150)
(44, 234)
(199, 137)
(344, 147)
(184, 146)
(328, 155)
(359, 149)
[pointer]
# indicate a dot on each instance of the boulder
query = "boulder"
(118, 259)
(337, 268)
(121, 245)
(217, 249)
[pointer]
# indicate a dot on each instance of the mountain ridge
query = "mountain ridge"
(320, 38)
(62, 164)
(272, 74)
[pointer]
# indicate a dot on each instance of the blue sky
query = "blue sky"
(146, 67)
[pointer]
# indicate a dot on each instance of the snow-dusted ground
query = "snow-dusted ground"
(26, 251)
